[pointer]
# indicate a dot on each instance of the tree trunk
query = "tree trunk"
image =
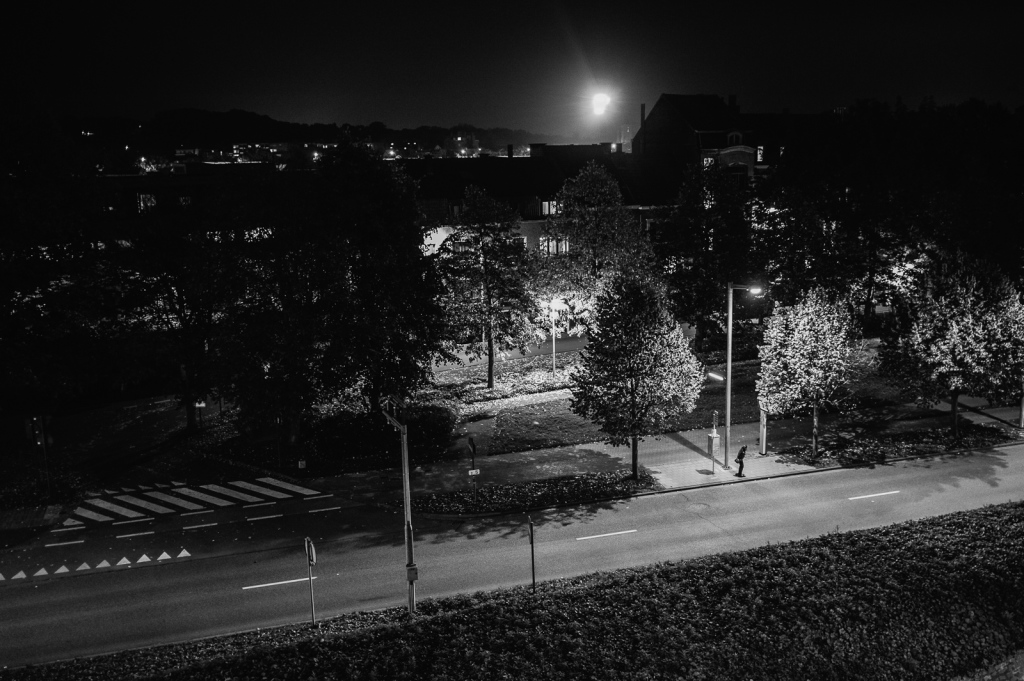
(636, 459)
(191, 425)
(1020, 422)
(490, 356)
(814, 432)
(954, 413)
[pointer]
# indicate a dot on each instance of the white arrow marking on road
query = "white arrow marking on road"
(83, 566)
(61, 569)
(103, 564)
(42, 571)
(184, 554)
(868, 496)
(164, 556)
(610, 534)
(289, 581)
(124, 561)
(20, 575)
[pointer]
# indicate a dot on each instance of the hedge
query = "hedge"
(928, 599)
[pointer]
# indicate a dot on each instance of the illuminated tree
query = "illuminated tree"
(638, 372)
(811, 352)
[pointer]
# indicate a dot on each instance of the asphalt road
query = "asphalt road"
(249, 571)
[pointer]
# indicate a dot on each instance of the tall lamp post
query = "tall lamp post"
(728, 369)
(412, 573)
(554, 307)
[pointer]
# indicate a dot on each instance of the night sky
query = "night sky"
(521, 65)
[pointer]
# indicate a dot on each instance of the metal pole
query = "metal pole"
(728, 382)
(409, 553)
(552, 343)
(533, 564)
(312, 607)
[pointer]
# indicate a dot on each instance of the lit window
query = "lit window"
(147, 202)
(552, 246)
(760, 154)
(549, 207)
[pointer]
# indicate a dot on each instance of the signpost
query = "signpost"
(533, 565)
(474, 472)
(311, 559)
(411, 571)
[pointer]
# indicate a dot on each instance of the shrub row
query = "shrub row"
(570, 489)
(926, 599)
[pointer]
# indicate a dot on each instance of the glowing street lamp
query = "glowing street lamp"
(601, 102)
(728, 369)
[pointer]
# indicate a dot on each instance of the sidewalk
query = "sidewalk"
(676, 460)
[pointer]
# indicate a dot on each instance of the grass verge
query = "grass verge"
(928, 599)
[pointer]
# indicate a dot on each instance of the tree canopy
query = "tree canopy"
(810, 353)
(638, 371)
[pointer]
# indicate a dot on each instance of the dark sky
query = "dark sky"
(528, 65)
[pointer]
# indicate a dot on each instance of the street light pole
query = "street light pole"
(412, 573)
(728, 370)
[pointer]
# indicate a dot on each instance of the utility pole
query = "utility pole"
(412, 573)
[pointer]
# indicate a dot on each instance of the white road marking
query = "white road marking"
(262, 503)
(68, 529)
(167, 498)
(332, 508)
(184, 554)
(322, 496)
(103, 564)
(209, 510)
(150, 506)
(65, 543)
(289, 581)
(231, 493)
(192, 527)
(83, 566)
(137, 534)
(72, 521)
(124, 561)
(62, 569)
(164, 556)
(868, 496)
(609, 534)
(20, 575)
(120, 510)
(266, 517)
(287, 486)
(265, 491)
(129, 522)
(203, 497)
(42, 571)
(144, 559)
(91, 515)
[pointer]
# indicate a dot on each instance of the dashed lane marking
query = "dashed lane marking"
(287, 486)
(65, 543)
(136, 534)
(142, 503)
(120, 510)
(320, 510)
(129, 522)
(265, 491)
(187, 505)
(92, 515)
(231, 493)
(209, 510)
(287, 581)
(203, 497)
(609, 534)
(193, 527)
(262, 503)
(322, 496)
(868, 496)
(68, 529)
(266, 517)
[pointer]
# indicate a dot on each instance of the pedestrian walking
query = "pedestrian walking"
(739, 460)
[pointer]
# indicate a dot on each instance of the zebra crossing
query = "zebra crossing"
(128, 504)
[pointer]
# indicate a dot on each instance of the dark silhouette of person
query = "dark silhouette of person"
(739, 459)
